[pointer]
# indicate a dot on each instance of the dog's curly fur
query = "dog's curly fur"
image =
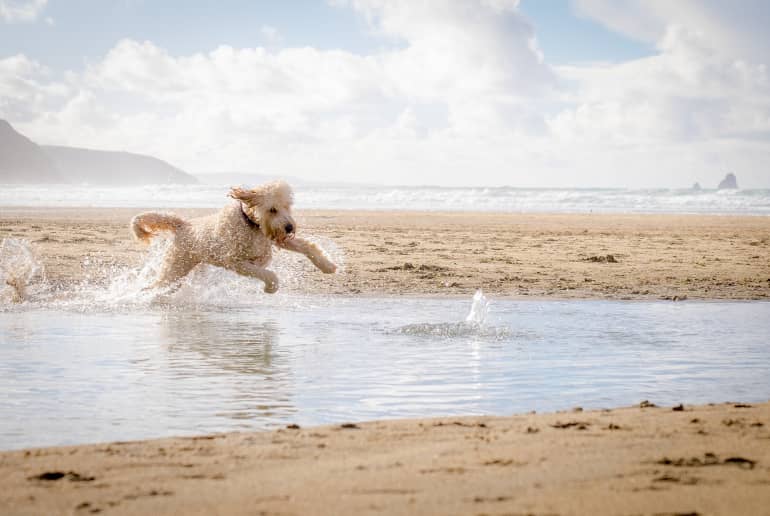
(240, 237)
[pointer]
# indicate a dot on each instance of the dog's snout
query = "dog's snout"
(289, 228)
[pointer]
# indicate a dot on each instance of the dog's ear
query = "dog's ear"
(250, 197)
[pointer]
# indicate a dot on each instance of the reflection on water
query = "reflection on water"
(69, 376)
(236, 354)
(230, 346)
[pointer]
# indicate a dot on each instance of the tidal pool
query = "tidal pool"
(69, 375)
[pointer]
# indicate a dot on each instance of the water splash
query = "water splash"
(18, 268)
(475, 324)
(130, 288)
(479, 309)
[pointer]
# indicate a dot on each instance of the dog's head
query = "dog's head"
(269, 205)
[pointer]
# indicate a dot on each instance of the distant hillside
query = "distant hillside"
(114, 168)
(23, 161)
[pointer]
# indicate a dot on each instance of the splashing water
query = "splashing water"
(131, 287)
(18, 267)
(479, 309)
(474, 326)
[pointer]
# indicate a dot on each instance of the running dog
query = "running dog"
(240, 237)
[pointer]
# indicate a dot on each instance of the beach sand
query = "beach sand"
(611, 256)
(704, 460)
(700, 460)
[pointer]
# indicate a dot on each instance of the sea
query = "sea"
(419, 198)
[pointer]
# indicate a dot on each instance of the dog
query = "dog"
(240, 237)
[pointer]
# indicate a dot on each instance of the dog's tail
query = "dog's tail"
(146, 225)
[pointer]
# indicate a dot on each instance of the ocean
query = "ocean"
(420, 198)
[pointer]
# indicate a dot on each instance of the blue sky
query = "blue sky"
(84, 30)
(638, 93)
(81, 31)
(565, 36)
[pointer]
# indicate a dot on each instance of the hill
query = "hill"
(114, 168)
(23, 161)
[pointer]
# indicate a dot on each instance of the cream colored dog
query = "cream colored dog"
(240, 237)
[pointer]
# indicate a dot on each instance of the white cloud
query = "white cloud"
(463, 97)
(736, 28)
(688, 92)
(698, 107)
(13, 11)
(306, 111)
(26, 89)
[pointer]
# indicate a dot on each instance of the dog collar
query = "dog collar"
(248, 219)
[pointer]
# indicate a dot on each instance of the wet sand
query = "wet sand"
(611, 256)
(705, 460)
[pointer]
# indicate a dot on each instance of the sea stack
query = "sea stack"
(728, 183)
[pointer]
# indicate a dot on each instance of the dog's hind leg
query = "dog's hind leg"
(174, 268)
(314, 253)
(254, 271)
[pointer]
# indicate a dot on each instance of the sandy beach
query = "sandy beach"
(611, 256)
(712, 459)
(704, 460)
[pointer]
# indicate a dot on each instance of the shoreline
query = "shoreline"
(689, 459)
(200, 210)
(703, 459)
(514, 256)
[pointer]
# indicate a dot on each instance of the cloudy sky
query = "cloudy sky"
(637, 93)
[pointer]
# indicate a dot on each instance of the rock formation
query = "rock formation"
(729, 182)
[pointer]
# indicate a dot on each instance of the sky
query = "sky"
(544, 93)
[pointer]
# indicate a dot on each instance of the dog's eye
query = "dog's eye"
(273, 211)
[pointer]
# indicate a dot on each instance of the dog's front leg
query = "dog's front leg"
(314, 253)
(254, 271)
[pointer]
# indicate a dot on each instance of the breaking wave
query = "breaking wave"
(429, 198)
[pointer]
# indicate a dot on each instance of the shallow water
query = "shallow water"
(86, 373)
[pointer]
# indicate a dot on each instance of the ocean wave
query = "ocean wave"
(418, 198)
